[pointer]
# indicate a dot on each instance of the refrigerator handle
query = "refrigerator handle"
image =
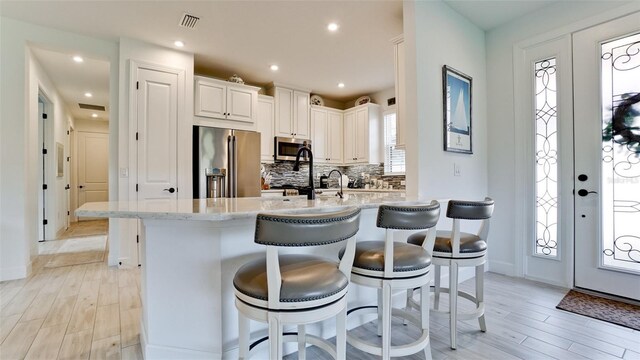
(230, 174)
(235, 167)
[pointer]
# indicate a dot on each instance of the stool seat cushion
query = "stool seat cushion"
(304, 278)
(406, 257)
(469, 243)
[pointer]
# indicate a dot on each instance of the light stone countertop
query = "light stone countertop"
(346, 190)
(231, 209)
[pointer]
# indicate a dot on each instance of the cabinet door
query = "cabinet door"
(302, 125)
(349, 137)
(319, 135)
(362, 135)
(284, 112)
(241, 104)
(335, 137)
(265, 127)
(211, 99)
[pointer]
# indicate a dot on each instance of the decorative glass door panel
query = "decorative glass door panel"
(621, 154)
(607, 157)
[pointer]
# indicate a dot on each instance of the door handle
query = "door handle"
(170, 190)
(585, 192)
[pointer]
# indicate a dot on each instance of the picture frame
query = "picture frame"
(59, 159)
(457, 111)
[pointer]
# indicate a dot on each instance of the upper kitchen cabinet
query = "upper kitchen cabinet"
(266, 112)
(398, 43)
(326, 135)
(361, 134)
(291, 111)
(224, 104)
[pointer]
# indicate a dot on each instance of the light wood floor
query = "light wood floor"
(85, 228)
(92, 311)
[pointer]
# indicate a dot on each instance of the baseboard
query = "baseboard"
(547, 281)
(502, 267)
(14, 273)
(150, 351)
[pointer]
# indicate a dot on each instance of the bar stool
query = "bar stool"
(390, 265)
(296, 289)
(455, 249)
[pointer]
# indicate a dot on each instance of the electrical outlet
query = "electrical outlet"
(456, 170)
(124, 172)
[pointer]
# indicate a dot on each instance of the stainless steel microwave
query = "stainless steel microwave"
(287, 148)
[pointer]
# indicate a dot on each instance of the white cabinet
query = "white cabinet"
(400, 90)
(291, 112)
(326, 135)
(226, 102)
(266, 114)
(361, 134)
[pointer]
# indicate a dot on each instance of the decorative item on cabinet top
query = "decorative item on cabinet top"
(236, 79)
(363, 100)
(316, 100)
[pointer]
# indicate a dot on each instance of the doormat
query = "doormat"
(79, 251)
(612, 311)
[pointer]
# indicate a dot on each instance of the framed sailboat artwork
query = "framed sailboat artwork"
(456, 97)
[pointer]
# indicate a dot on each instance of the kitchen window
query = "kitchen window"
(393, 155)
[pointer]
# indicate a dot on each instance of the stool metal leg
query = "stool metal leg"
(341, 335)
(275, 337)
(480, 294)
(436, 283)
(244, 327)
(302, 343)
(453, 301)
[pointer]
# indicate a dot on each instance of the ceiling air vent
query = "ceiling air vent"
(188, 21)
(91, 107)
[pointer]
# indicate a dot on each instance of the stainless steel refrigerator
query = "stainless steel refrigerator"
(226, 163)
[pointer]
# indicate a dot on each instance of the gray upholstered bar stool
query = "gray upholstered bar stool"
(296, 289)
(455, 249)
(390, 265)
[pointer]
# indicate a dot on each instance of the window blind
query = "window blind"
(393, 156)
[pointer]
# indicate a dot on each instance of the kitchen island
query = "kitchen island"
(190, 251)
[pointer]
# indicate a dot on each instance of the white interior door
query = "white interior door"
(607, 171)
(92, 167)
(157, 121)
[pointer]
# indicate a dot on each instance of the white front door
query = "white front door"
(157, 125)
(606, 65)
(93, 169)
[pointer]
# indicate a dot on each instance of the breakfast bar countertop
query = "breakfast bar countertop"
(229, 208)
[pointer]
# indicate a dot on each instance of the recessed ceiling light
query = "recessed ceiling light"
(178, 43)
(88, 94)
(274, 67)
(78, 59)
(94, 115)
(332, 27)
(341, 85)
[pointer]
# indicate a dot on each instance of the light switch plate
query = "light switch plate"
(456, 170)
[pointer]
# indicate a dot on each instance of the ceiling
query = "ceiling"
(73, 80)
(491, 14)
(246, 37)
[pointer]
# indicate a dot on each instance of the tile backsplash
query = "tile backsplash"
(282, 174)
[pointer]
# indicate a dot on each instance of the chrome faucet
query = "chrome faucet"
(339, 173)
(296, 167)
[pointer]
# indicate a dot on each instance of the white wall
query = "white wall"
(142, 52)
(436, 35)
(92, 126)
(551, 22)
(18, 139)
